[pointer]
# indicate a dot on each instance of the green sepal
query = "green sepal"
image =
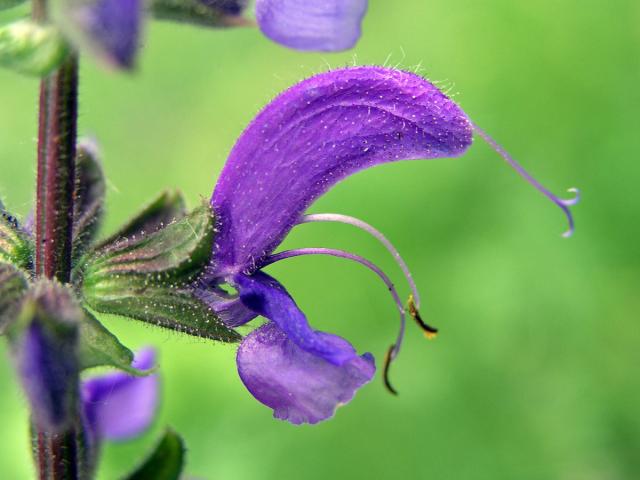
(13, 286)
(16, 246)
(89, 194)
(164, 306)
(172, 256)
(31, 48)
(165, 463)
(147, 277)
(194, 12)
(101, 348)
(166, 208)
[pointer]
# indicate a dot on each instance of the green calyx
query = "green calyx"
(194, 12)
(31, 48)
(89, 196)
(15, 244)
(147, 275)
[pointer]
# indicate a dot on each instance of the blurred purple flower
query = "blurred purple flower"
(119, 406)
(109, 28)
(318, 25)
(112, 28)
(306, 140)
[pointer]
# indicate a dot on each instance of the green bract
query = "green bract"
(30, 48)
(100, 347)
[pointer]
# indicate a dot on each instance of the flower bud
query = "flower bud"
(31, 48)
(44, 351)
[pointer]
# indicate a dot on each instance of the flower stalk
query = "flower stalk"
(56, 454)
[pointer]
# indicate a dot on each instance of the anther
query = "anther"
(429, 331)
(385, 372)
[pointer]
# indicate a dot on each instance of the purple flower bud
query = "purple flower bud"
(44, 348)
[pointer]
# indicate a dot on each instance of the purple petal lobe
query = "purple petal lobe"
(321, 25)
(265, 296)
(300, 387)
(315, 134)
(111, 28)
(118, 406)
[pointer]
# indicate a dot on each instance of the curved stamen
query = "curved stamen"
(564, 204)
(393, 351)
(356, 222)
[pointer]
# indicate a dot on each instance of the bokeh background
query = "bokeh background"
(535, 374)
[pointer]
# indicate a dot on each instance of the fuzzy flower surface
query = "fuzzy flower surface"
(309, 138)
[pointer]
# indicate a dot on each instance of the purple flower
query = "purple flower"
(119, 406)
(309, 138)
(111, 29)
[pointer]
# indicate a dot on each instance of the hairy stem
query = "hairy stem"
(56, 166)
(56, 454)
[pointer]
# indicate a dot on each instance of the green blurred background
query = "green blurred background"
(535, 373)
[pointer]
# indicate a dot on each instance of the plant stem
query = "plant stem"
(56, 454)
(56, 171)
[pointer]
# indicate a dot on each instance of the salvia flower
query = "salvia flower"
(111, 29)
(306, 140)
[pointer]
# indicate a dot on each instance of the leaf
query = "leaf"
(165, 463)
(167, 208)
(13, 286)
(99, 347)
(30, 48)
(15, 244)
(89, 194)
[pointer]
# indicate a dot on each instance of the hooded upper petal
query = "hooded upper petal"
(300, 387)
(322, 25)
(265, 296)
(315, 134)
(118, 406)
